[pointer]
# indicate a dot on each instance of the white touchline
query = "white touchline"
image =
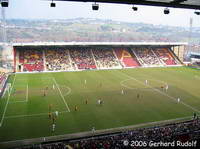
(4, 112)
(194, 109)
(61, 94)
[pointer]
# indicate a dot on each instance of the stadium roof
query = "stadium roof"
(100, 44)
(195, 53)
(188, 4)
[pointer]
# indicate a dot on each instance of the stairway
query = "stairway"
(94, 59)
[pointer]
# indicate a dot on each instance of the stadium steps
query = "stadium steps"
(160, 55)
(161, 62)
(21, 57)
(94, 59)
(70, 60)
(135, 61)
(117, 58)
(44, 60)
(171, 60)
(16, 54)
(140, 61)
(178, 61)
(125, 57)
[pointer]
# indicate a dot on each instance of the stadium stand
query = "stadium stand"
(70, 59)
(146, 57)
(57, 60)
(82, 58)
(32, 60)
(197, 63)
(3, 78)
(105, 58)
(126, 58)
(165, 56)
(182, 131)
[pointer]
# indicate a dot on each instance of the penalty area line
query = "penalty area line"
(26, 100)
(63, 98)
(32, 115)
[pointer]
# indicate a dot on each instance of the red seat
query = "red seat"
(31, 60)
(127, 58)
(165, 55)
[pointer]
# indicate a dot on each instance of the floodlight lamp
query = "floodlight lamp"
(4, 3)
(95, 6)
(52, 4)
(166, 11)
(135, 8)
(197, 12)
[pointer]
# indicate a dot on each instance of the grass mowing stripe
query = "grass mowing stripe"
(26, 100)
(61, 94)
(4, 112)
(27, 93)
(194, 109)
(89, 133)
(31, 120)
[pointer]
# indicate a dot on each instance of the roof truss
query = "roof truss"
(187, 4)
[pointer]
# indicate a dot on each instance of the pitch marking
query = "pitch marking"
(134, 88)
(69, 90)
(194, 109)
(4, 112)
(31, 115)
(61, 94)
(110, 129)
(26, 100)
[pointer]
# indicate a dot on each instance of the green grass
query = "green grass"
(26, 114)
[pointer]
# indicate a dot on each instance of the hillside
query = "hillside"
(82, 29)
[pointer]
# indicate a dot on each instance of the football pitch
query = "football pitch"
(128, 100)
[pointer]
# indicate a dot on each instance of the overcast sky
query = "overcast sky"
(38, 9)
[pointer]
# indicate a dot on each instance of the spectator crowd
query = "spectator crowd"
(182, 131)
(105, 58)
(83, 58)
(165, 56)
(32, 60)
(57, 60)
(3, 77)
(62, 59)
(147, 57)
